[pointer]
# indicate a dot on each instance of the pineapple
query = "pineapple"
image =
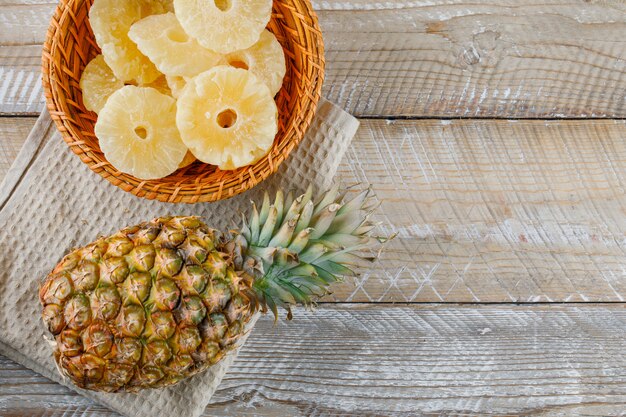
(227, 117)
(168, 5)
(137, 133)
(111, 21)
(187, 160)
(158, 302)
(224, 26)
(161, 85)
(265, 59)
(97, 83)
(176, 85)
(163, 40)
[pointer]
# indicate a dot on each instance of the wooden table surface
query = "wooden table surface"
(494, 134)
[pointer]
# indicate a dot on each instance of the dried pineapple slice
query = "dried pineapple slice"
(265, 59)
(224, 26)
(97, 83)
(176, 85)
(168, 5)
(137, 133)
(188, 160)
(227, 117)
(128, 63)
(110, 21)
(161, 85)
(163, 40)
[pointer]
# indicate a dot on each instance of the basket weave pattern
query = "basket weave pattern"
(70, 45)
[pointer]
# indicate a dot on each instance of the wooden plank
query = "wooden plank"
(355, 360)
(494, 211)
(479, 59)
(24, 22)
(13, 133)
(23, 25)
(447, 58)
(21, 92)
(486, 211)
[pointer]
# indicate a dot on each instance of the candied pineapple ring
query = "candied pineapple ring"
(176, 85)
(160, 84)
(163, 40)
(137, 133)
(224, 26)
(188, 160)
(227, 117)
(111, 21)
(265, 59)
(97, 83)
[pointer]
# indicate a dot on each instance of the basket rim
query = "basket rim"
(226, 189)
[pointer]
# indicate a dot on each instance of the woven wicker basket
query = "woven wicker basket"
(70, 45)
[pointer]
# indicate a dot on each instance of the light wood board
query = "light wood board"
(13, 133)
(394, 361)
(494, 211)
(486, 211)
(449, 58)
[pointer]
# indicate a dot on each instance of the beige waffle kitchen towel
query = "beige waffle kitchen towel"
(51, 202)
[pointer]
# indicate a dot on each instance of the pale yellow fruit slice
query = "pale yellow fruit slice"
(128, 63)
(163, 40)
(168, 5)
(227, 117)
(265, 59)
(97, 83)
(161, 85)
(188, 160)
(224, 25)
(111, 20)
(137, 133)
(176, 85)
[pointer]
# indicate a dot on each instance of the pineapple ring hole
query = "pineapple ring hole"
(177, 36)
(227, 118)
(238, 63)
(141, 132)
(223, 5)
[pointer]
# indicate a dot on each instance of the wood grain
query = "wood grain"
(445, 58)
(348, 360)
(21, 91)
(24, 23)
(494, 211)
(13, 133)
(485, 211)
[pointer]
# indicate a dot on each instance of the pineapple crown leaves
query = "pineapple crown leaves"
(295, 248)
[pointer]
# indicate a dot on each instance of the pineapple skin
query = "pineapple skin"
(146, 307)
(156, 303)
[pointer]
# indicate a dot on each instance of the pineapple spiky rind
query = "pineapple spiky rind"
(158, 302)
